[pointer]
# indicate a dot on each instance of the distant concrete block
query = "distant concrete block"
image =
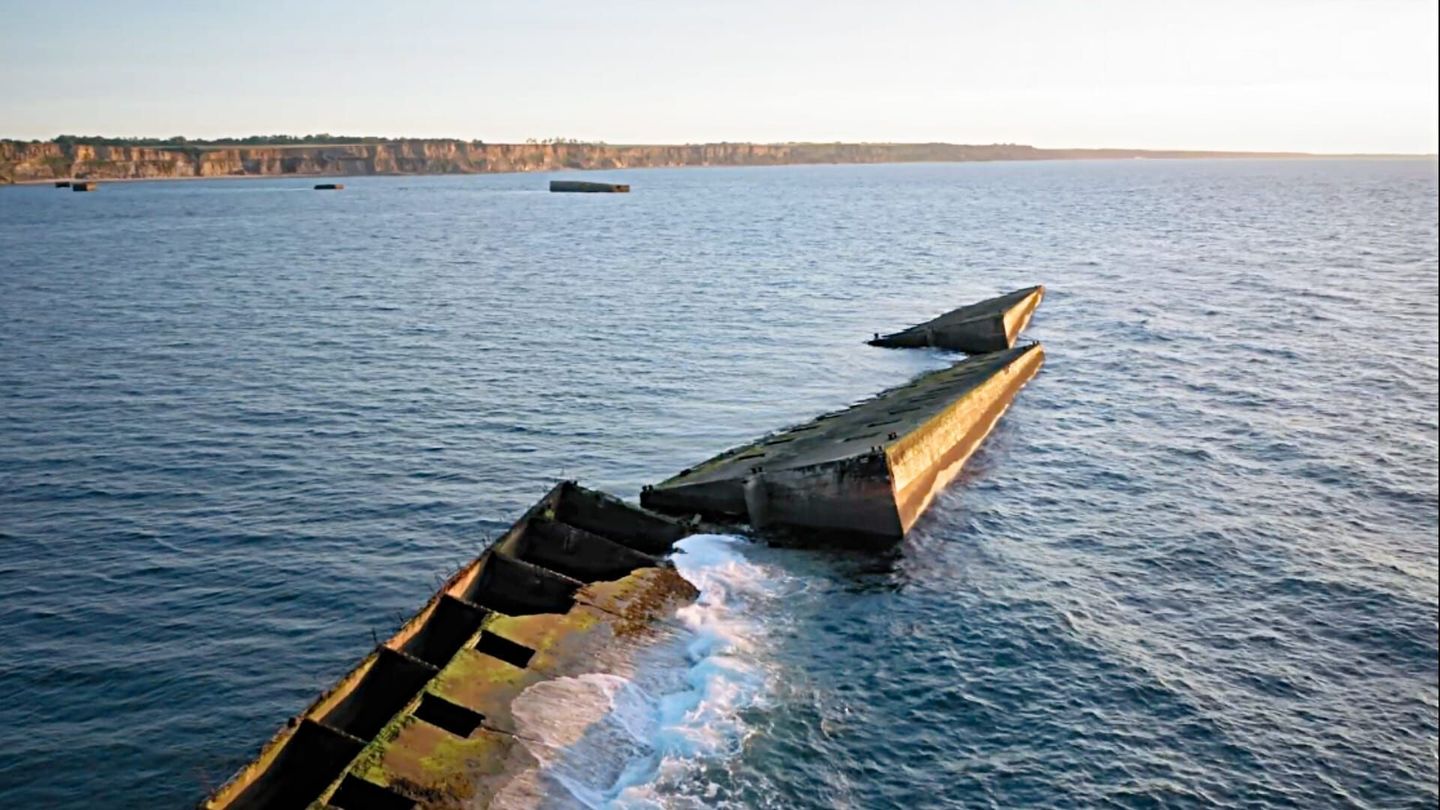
(582, 186)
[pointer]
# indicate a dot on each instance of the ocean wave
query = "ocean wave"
(647, 740)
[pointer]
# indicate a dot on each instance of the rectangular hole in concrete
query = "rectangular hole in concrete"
(517, 655)
(382, 692)
(355, 793)
(452, 717)
(312, 759)
(520, 589)
(445, 632)
(611, 518)
(577, 553)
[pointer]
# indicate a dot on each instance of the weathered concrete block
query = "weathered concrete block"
(583, 186)
(425, 719)
(991, 325)
(866, 473)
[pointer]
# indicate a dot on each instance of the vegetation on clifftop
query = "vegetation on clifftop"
(180, 141)
(316, 139)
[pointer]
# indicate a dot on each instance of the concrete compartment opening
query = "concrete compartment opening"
(452, 717)
(616, 521)
(355, 793)
(447, 629)
(512, 653)
(520, 589)
(390, 683)
(312, 759)
(577, 553)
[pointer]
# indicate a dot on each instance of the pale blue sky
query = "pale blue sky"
(1317, 75)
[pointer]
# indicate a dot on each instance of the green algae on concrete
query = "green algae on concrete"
(425, 719)
(440, 769)
(430, 765)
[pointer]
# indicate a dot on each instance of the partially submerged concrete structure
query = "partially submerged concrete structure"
(865, 473)
(584, 186)
(329, 186)
(84, 185)
(427, 720)
(991, 325)
(424, 720)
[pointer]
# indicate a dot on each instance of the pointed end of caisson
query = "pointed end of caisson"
(1018, 315)
(986, 326)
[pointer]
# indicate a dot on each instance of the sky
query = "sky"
(1281, 75)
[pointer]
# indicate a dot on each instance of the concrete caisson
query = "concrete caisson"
(425, 720)
(583, 186)
(991, 325)
(865, 473)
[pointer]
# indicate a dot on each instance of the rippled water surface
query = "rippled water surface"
(244, 424)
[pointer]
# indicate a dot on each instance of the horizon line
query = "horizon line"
(351, 140)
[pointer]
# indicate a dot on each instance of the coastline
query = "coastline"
(48, 162)
(544, 170)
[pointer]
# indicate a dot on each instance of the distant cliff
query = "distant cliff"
(22, 162)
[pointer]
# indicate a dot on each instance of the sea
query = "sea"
(246, 427)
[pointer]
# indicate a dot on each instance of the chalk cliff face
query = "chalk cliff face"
(38, 162)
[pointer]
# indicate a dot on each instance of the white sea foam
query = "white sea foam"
(606, 741)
